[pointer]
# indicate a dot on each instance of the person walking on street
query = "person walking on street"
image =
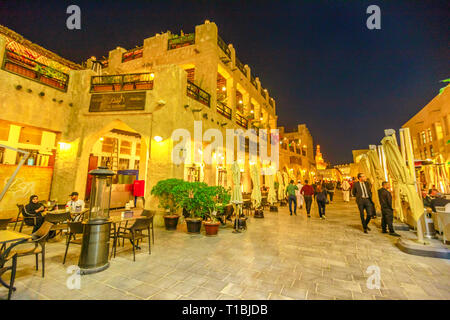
(346, 191)
(321, 201)
(361, 190)
(299, 195)
(330, 186)
(307, 191)
(290, 192)
(387, 212)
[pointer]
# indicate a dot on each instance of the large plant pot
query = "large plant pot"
(212, 228)
(193, 225)
(171, 222)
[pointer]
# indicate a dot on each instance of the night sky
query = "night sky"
(317, 58)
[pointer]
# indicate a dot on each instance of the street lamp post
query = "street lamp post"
(96, 231)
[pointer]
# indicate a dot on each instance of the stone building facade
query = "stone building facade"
(297, 153)
(122, 111)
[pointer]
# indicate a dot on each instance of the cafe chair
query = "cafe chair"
(38, 239)
(18, 218)
(150, 214)
(5, 256)
(75, 228)
(30, 220)
(59, 221)
(135, 233)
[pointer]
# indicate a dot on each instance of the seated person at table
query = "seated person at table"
(34, 209)
(75, 204)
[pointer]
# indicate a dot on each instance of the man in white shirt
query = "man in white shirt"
(75, 204)
(299, 195)
(346, 190)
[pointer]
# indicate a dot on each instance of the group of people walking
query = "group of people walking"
(300, 195)
(323, 193)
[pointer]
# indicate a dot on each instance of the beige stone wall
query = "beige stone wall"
(30, 180)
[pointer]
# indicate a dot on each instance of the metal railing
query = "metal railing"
(197, 93)
(224, 110)
(223, 46)
(31, 69)
(240, 65)
(241, 121)
(122, 82)
(133, 54)
(181, 41)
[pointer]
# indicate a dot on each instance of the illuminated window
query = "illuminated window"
(425, 152)
(125, 147)
(431, 151)
(30, 136)
(438, 130)
(124, 164)
(424, 137)
(108, 145)
(138, 149)
(430, 135)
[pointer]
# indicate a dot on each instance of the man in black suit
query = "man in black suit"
(361, 190)
(387, 212)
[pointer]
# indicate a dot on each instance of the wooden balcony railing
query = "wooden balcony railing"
(31, 69)
(122, 82)
(253, 81)
(263, 93)
(133, 54)
(241, 121)
(224, 47)
(224, 110)
(197, 93)
(181, 41)
(240, 65)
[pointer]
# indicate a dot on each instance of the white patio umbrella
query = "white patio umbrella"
(271, 196)
(377, 175)
(285, 180)
(256, 192)
(236, 193)
(403, 178)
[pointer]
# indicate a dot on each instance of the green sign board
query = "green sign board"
(129, 101)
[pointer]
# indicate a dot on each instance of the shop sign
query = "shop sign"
(130, 101)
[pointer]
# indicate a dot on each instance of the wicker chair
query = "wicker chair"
(39, 239)
(5, 256)
(74, 229)
(150, 214)
(59, 221)
(18, 218)
(135, 233)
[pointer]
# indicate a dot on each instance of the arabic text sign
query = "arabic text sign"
(117, 102)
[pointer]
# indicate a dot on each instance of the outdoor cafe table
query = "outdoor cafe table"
(8, 236)
(116, 219)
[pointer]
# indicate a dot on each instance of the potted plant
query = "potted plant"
(220, 197)
(164, 191)
(194, 198)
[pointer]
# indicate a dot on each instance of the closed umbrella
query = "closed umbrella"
(256, 192)
(236, 194)
(271, 196)
(285, 180)
(403, 179)
(280, 186)
(377, 174)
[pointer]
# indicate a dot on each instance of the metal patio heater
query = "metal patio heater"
(96, 229)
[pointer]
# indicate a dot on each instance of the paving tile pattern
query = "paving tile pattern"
(280, 257)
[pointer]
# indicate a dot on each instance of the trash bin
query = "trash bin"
(429, 231)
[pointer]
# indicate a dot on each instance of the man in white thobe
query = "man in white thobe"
(299, 195)
(346, 190)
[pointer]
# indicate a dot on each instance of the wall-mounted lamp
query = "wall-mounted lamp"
(158, 138)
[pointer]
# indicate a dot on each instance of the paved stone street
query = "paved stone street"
(278, 257)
